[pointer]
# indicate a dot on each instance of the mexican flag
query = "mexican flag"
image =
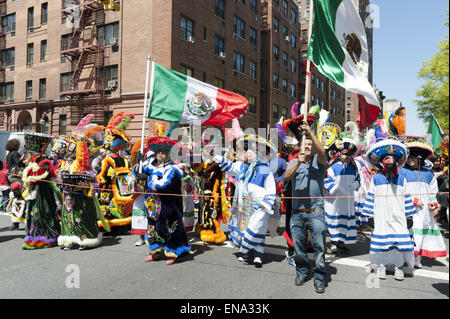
(175, 97)
(435, 133)
(338, 48)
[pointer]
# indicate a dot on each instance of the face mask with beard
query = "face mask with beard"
(389, 165)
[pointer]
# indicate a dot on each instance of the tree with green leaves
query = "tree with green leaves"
(434, 93)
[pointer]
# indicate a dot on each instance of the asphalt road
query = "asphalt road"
(116, 270)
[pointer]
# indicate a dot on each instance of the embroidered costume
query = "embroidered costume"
(43, 199)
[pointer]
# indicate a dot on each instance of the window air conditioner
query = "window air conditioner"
(191, 39)
(113, 84)
(222, 55)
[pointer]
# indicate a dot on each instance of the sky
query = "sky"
(408, 33)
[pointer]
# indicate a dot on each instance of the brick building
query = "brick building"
(55, 69)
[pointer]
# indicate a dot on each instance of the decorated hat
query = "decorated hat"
(292, 126)
(253, 142)
(61, 146)
(422, 149)
(157, 143)
(328, 133)
(37, 142)
(345, 146)
(115, 137)
(379, 150)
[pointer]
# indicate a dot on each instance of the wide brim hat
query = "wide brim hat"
(377, 151)
(34, 142)
(156, 143)
(422, 149)
(328, 133)
(61, 145)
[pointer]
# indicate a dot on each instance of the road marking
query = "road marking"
(365, 264)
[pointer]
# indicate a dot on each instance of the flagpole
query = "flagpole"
(144, 115)
(308, 78)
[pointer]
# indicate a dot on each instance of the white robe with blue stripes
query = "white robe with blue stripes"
(342, 181)
(249, 222)
(389, 204)
(360, 194)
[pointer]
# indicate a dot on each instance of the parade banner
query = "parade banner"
(178, 98)
(339, 50)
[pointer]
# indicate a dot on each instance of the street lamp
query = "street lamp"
(42, 122)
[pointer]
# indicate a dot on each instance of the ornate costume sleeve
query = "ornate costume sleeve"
(369, 203)
(227, 166)
(158, 183)
(410, 209)
(269, 199)
(330, 182)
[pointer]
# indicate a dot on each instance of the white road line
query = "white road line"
(417, 272)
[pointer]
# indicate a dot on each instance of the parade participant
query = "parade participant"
(5, 187)
(211, 209)
(423, 186)
(14, 160)
(43, 198)
(365, 176)
(341, 183)
(307, 173)
(390, 209)
(165, 223)
(80, 210)
(115, 178)
(254, 196)
(59, 152)
(16, 205)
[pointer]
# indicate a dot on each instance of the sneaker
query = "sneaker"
(417, 263)
(245, 259)
(300, 281)
(381, 272)
(140, 242)
(290, 259)
(333, 249)
(258, 262)
(14, 226)
(342, 246)
(399, 275)
(320, 288)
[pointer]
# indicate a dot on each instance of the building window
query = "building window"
(42, 89)
(293, 40)
(108, 34)
(293, 16)
(253, 36)
(30, 21)
(239, 27)
(187, 28)
(275, 111)
(252, 69)
(62, 124)
(29, 90)
(187, 70)
(285, 86)
(7, 91)
(30, 54)
(44, 50)
(219, 45)
(323, 86)
(219, 9)
(285, 7)
(8, 57)
(276, 24)
(252, 104)
(219, 83)
(285, 59)
(275, 81)
(293, 66)
(64, 84)
(276, 53)
(293, 90)
(9, 23)
(307, 15)
(317, 82)
(284, 113)
(349, 95)
(239, 62)
(254, 6)
(44, 13)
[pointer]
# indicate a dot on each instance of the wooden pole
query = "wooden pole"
(308, 78)
(144, 115)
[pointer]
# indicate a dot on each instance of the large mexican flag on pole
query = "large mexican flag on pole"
(338, 48)
(175, 97)
(434, 133)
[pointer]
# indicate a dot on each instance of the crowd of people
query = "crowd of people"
(95, 182)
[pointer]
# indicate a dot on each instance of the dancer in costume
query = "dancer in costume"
(43, 198)
(165, 223)
(365, 176)
(81, 209)
(423, 186)
(254, 197)
(115, 178)
(16, 204)
(59, 152)
(340, 184)
(390, 209)
(211, 209)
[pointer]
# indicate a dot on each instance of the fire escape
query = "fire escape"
(265, 63)
(86, 55)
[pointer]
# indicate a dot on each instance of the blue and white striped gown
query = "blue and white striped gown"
(342, 181)
(250, 216)
(389, 204)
